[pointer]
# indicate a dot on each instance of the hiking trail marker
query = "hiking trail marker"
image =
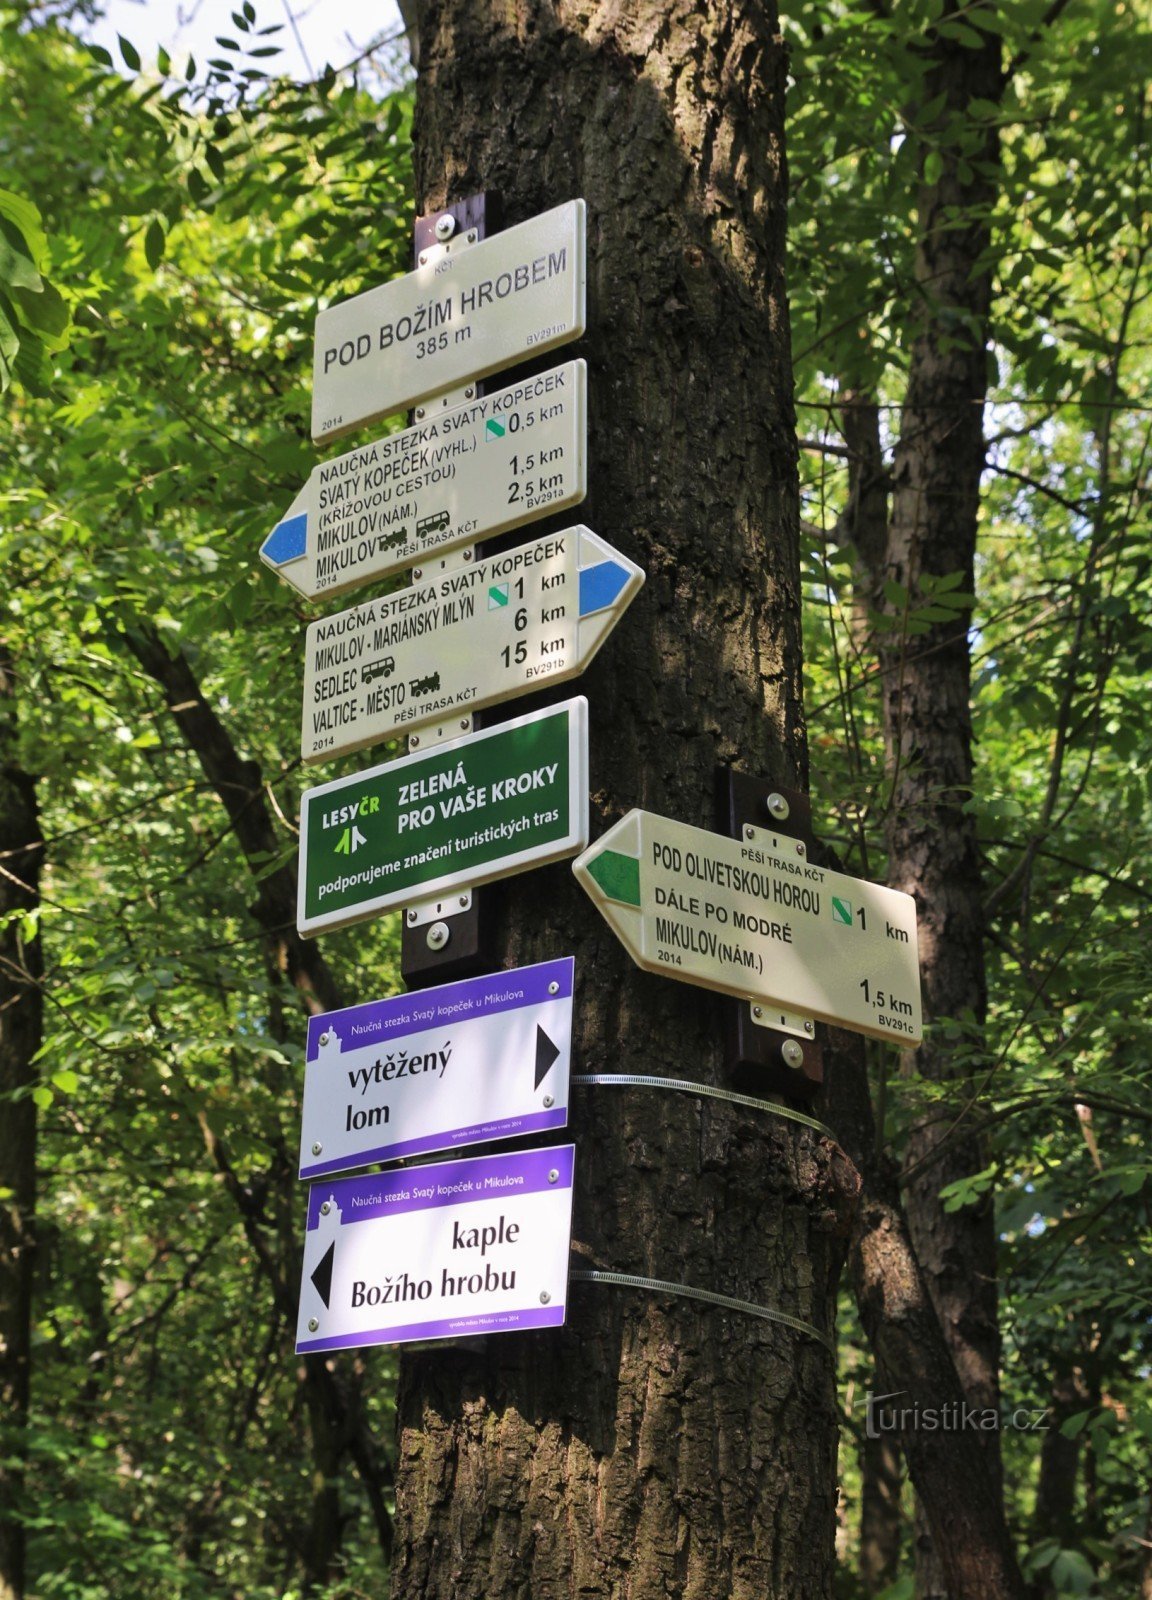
(457, 815)
(752, 918)
(468, 472)
(468, 638)
(468, 310)
(464, 1063)
(447, 1250)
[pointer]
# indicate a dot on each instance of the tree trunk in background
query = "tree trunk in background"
(21, 1019)
(932, 851)
(652, 1447)
(881, 1519)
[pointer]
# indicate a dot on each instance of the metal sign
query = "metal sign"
(467, 311)
(468, 638)
(460, 814)
(753, 918)
(464, 1063)
(442, 1251)
(468, 472)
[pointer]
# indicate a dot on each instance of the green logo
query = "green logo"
(497, 596)
(842, 911)
(494, 429)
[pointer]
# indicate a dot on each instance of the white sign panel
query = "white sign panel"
(753, 918)
(442, 1251)
(470, 637)
(468, 311)
(464, 1063)
(468, 472)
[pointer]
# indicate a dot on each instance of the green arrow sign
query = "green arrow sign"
(461, 814)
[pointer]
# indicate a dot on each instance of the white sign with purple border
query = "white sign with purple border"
(445, 1251)
(466, 1063)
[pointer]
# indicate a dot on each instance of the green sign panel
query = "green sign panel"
(461, 814)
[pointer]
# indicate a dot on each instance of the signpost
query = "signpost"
(461, 1064)
(448, 1250)
(468, 311)
(470, 637)
(468, 472)
(753, 918)
(457, 815)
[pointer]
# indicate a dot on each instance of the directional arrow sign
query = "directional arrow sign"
(457, 815)
(752, 918)
(461, 1064)
(468, 311)
(465, 473)
(468, 638)
(440, 1251)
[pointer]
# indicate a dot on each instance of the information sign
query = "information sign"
(448, 1250)
(468, 472)
(470, 310)
(457, 815)
(471, 637)
(464, 1063)
(753, 918)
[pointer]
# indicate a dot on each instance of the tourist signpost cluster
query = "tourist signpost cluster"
(480, 1245)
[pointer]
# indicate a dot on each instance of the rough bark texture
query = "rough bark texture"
(962, 1504)
(652, 1447)
(21, 1022)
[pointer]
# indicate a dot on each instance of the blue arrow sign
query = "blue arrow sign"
(599, 586)
(287, 541)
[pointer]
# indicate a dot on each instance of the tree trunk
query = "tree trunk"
(652, 1447)
(881, 1517)
(21, 1021)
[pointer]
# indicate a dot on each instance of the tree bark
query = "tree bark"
(881, 1516)
(21, 1028)
(652, 1447)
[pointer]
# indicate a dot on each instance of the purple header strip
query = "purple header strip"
(448, 1328)
(478, 1133)
(453, 1183)
(356, 1026)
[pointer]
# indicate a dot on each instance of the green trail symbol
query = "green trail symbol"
(842, 911)
(494, 429)
(497, 596)
(617, 875)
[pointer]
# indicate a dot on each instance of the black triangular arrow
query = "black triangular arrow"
(322, 1277)
(546, 1053)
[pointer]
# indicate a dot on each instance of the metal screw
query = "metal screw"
(545, 1297)
(471, 235)
(749, 833)
(438, 935)
(423, 258)
(799, 849)
(809, 1027)
(417, 574)
(553, 1176)
(757, 1011)
(467, 555)
(465, 723)
(317, 1148)
(553, 988)
(411, 919)
(313, 1324)
(324, 1038)
(778, 807)
(549, 1102)
(793, 1052)
(419, 413)
(470, 392)
(325, 1208)
(413, 741)
(445, 227)
(464, 901)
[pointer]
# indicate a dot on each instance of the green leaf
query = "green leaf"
(933, 167)
(17, 270)
(42, 1097)
(154, 244)
(66, 1080)
(130, 53)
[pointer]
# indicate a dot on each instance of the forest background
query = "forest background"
(166, 232)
